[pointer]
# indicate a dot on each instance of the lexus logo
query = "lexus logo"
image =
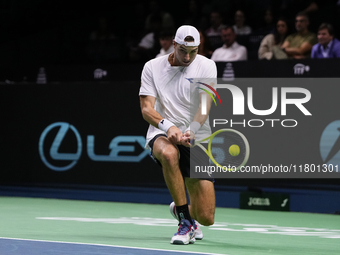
(122, 148)
(73, 157)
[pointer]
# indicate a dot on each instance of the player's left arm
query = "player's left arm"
(198, 120)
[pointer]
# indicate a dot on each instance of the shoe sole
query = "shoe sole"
(179, 242)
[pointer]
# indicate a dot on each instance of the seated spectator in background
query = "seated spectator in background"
(103, 31)
(327, 46)
(240, 26)
(231, 50)
(299, 44)
(155, 7)
(272, 40)
(148, 47)
(289, 9)
(166, 42)
(268, 24)
(204, 48)
(136, 25)
(214, 31)
(103, 46)
(194, 16)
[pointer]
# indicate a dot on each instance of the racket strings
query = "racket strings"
(220, 145)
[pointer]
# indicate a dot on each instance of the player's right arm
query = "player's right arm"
(147, 104)
(149, 113)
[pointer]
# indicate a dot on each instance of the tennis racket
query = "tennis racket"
(223, 147)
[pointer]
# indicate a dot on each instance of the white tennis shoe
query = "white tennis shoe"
(185, 233)
(198, 231)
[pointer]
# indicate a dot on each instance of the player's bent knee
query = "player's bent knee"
(169, 155)
(206, 219)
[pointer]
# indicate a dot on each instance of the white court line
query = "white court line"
(114, 246)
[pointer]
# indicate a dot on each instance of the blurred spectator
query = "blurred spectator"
(136, 25)
(255, 9)
(268, 24)
(148, 47)
(231, 50)
(194, 15)
(226, 9)
(299, 44)
(204, 48)
(166, 42)
(240, 26)
(271, 40)
(166, 23)
(214, 31)
(290, 8)
(327, 46)
(103, 31)
(104, 46)
(296, 6)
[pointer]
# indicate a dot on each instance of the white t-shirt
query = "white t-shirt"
(235, 52)
(176, 91)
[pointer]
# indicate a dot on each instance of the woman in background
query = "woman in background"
(240, 26)
(270, 41)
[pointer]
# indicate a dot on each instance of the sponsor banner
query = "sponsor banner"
(264, 201)
(74, 134)
(281, 128)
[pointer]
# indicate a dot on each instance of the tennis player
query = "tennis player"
(165, 104)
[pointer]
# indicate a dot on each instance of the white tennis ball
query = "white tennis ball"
(234, 150)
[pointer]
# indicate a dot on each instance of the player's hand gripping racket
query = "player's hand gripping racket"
(227, 148)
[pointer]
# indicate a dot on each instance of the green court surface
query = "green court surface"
(235, 232)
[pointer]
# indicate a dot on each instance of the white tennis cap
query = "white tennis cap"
(185, 31)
